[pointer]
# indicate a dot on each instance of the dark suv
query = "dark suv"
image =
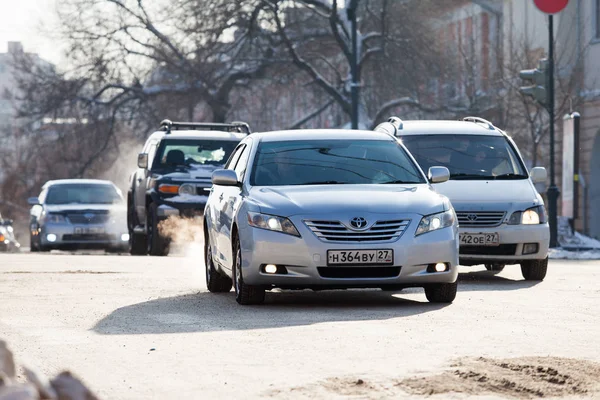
(173, 177)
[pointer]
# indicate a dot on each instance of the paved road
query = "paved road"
(145, 327)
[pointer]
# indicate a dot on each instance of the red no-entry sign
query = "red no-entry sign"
(551, 6)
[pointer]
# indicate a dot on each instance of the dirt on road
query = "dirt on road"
(145, 327)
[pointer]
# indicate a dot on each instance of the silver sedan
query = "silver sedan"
(328, 209)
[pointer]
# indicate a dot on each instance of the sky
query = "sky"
(30, 22)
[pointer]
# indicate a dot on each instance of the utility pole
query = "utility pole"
(553, 191)
(355, 84)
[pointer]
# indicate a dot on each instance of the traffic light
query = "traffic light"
(539, 79)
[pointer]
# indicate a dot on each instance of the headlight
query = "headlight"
(532, 216)
(436, 221)
(272, 223)
(53, 217)
(187, 190)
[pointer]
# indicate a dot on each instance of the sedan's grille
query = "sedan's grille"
(88, 218)
(335, 231)
(91, 237)
(501, 250)
(480, 219)
(358, 272)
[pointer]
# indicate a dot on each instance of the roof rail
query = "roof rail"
(480, 121)
(391, 126)
(236, 126)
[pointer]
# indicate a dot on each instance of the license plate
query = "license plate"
(480, 239)
(88, 230)
(360, 257)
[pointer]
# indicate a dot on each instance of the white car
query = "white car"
(502, 218)
(327, 209)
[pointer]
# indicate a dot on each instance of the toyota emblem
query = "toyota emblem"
(89, 215)
(472, 217)
(358, 223)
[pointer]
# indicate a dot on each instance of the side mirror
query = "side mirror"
(538, 175)
(33, 201)
(225, 177)
(438, 174)
(143, 160)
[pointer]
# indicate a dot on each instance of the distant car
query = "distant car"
(8, 242)
(327, 209)
(74, 214)
(173, 178)
(501, 215)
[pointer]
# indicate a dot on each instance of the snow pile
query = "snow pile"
(574, 245)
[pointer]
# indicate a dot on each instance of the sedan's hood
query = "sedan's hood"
(504, 191)
(203, 172)
(61, 208)
(326, 199)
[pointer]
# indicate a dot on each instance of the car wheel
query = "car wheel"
(494, 267)
(157, 244)
(244, 294)
(216, 282)
(138, 244)
(441, 292)
(534, 270)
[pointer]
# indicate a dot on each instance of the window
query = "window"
(467, 157)
(190, 152)
(317, 162)
(240, 167)
(234, 157)
(83, 194)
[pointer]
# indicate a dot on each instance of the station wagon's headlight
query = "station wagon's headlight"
(187, 189)
(532, 216)
(272, 223)
(51, 217)
(437, 221)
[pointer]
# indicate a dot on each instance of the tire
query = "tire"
(494, 267)
(138, 244)
(244, 294)
(33, 246)
(534, 270)
(157, 244)
(441, 292)
(216, 282)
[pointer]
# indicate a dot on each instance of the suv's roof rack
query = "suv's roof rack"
(480, 121)
(391, 126)
(236, 126)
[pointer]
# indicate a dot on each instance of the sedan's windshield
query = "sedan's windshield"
(189, 152)
(83, 194)
(333, 162)
(467, 156)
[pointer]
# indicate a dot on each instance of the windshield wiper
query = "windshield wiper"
(324, 183)
(469, 176)
(511, 175)
(398, 183)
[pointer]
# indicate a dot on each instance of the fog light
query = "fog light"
(530, 248)
(125, 237)
(51, 237)
(440, 267)
(270, 269)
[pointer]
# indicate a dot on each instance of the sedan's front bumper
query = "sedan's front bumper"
(511, 247)
(92, 236)
(305, 259)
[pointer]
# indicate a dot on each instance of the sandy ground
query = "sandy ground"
(145, 327)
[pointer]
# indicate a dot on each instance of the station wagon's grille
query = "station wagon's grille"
(480, 219)
(335, 231)
(501, 250)
(87, 218)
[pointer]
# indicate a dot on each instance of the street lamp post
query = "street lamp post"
(553, 191)
(354, 85)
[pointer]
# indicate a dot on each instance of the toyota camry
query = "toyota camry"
(328, 209)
